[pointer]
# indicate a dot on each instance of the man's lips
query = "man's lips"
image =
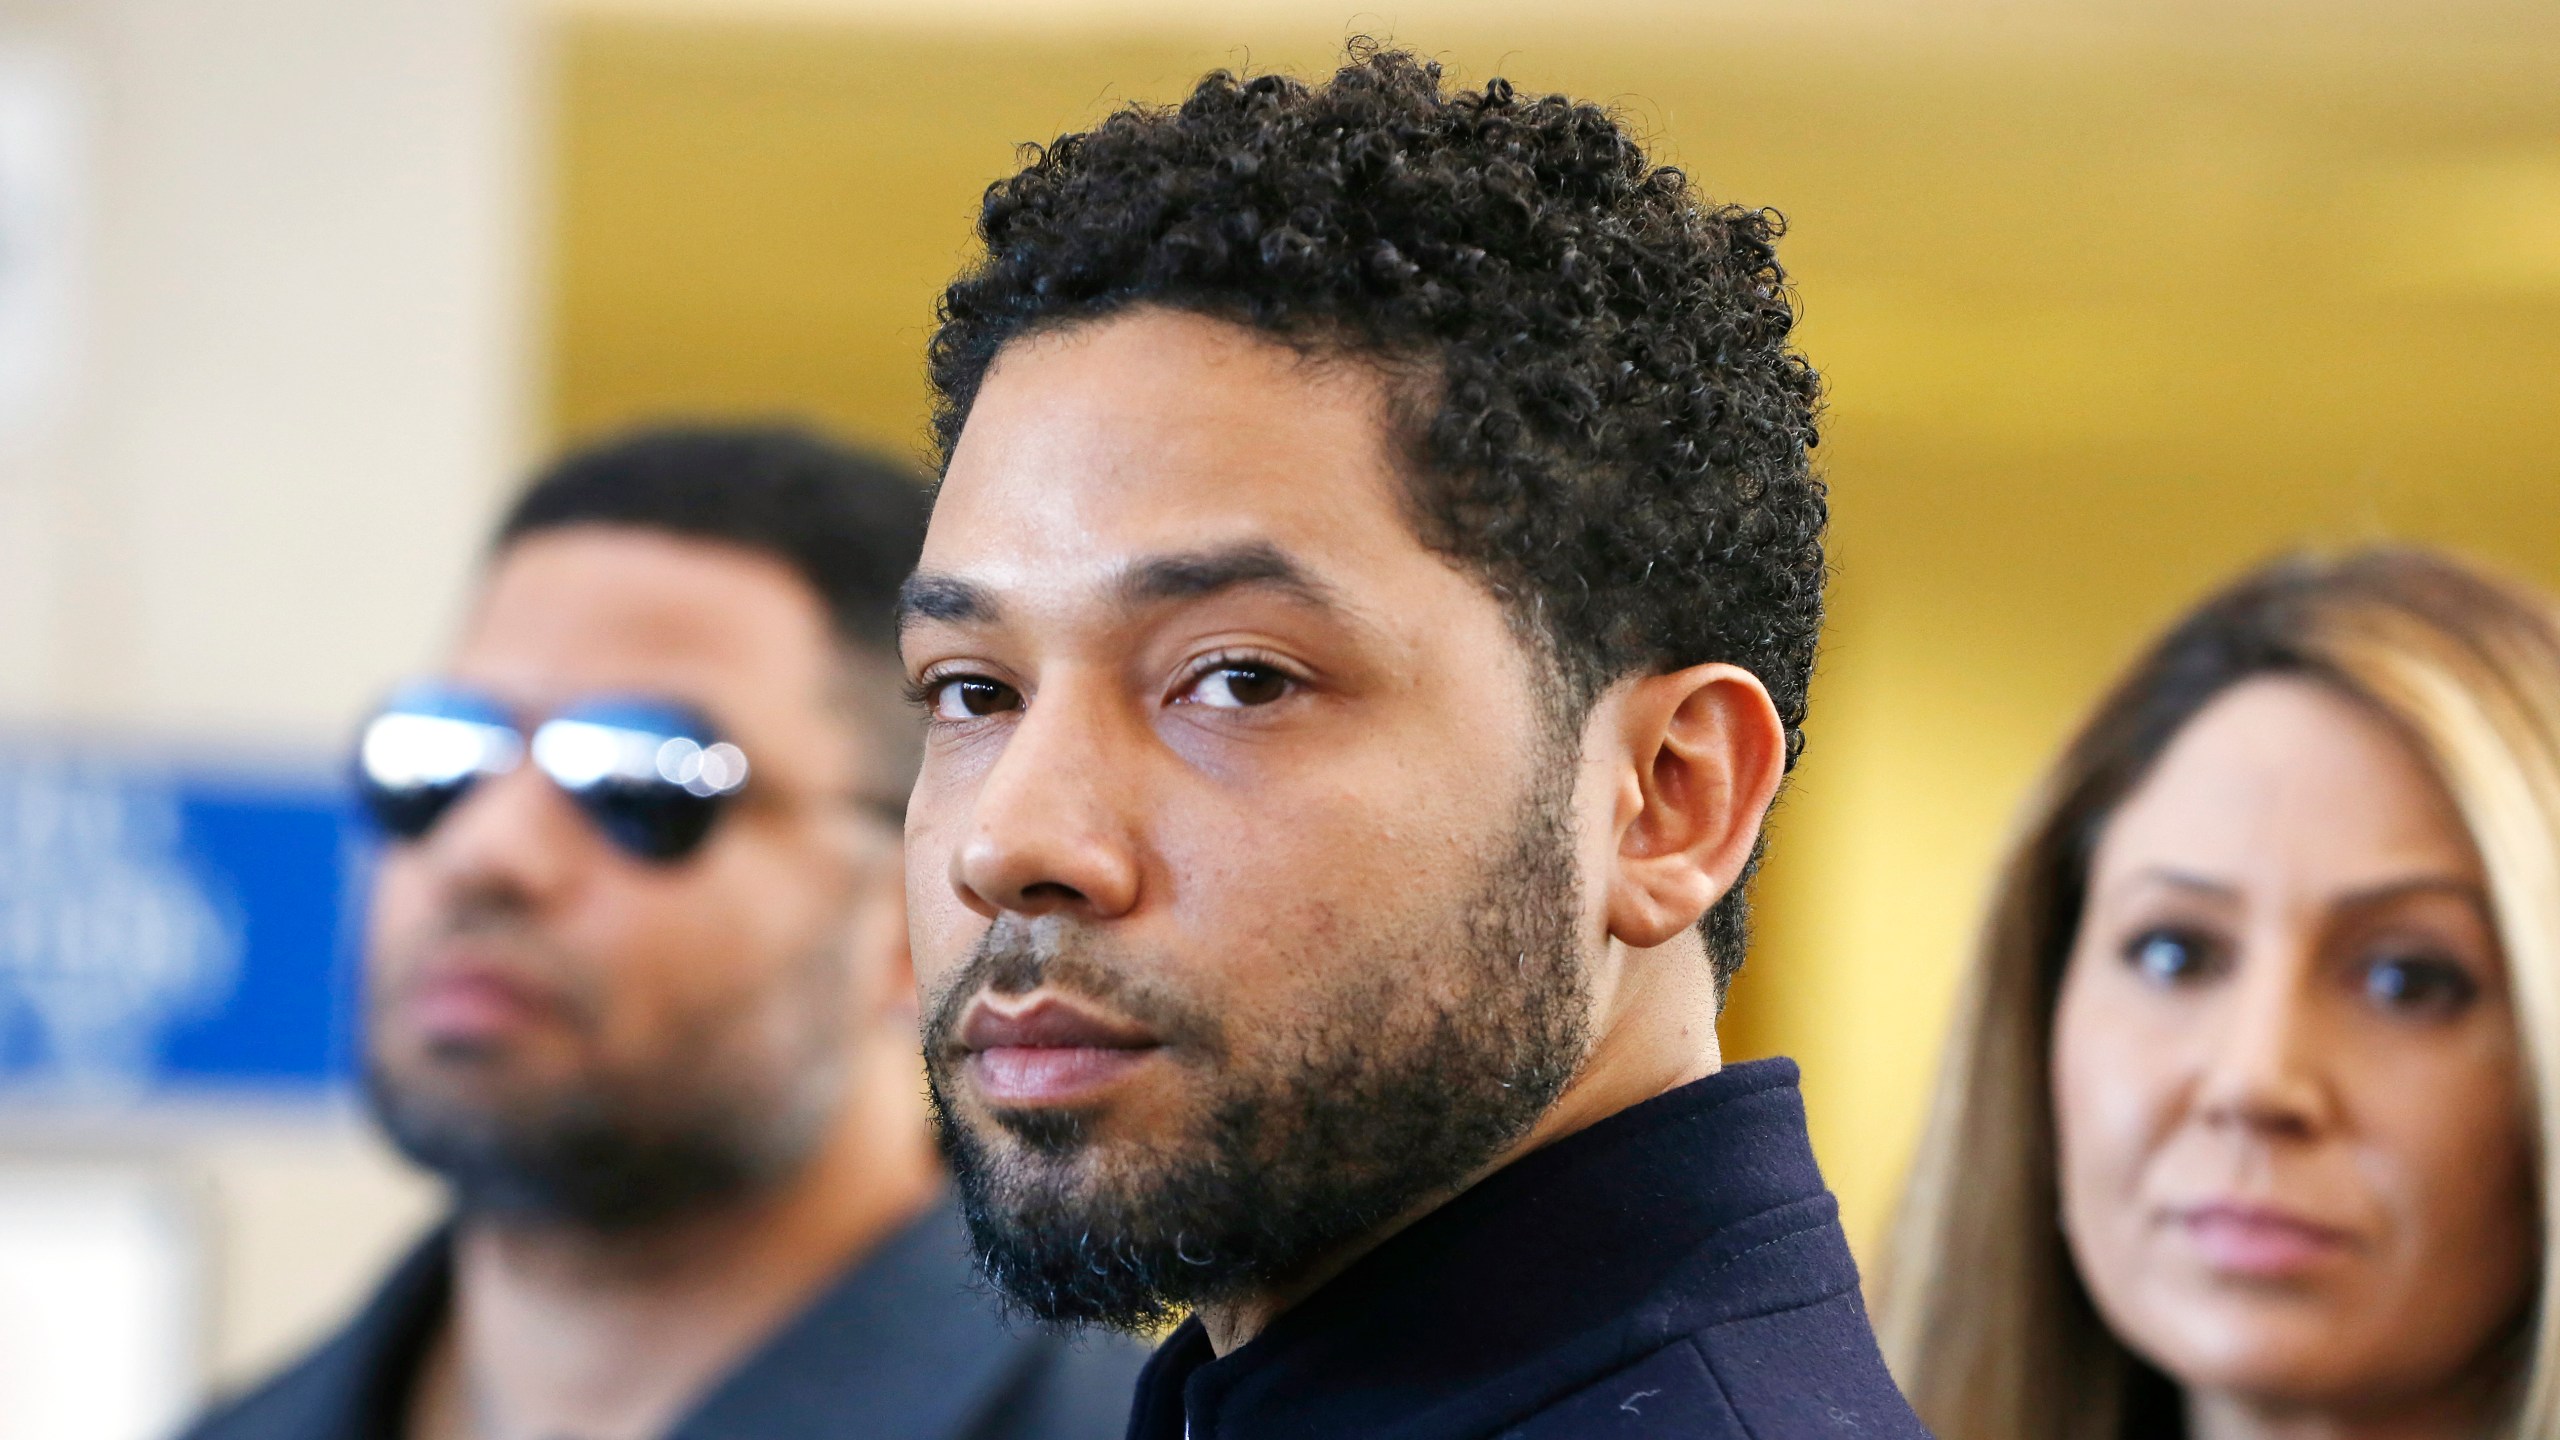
(2258, 1241)
(1048, 1052)
(458, 1003)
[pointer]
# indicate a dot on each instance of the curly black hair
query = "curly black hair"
(1617, 432)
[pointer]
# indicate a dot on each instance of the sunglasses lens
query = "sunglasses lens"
(651, 777)
(654, 822)
(413, 763)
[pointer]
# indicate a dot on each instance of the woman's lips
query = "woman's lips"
(1048, 1053)
(2260, 1242)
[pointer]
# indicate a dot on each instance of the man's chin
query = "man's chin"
(1053, 1136)
(491, 1081)
(1062, 1246)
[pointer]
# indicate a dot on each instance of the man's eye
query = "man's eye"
(1237, 687)
(972, 697)
(2418, 985)
(2169, 957)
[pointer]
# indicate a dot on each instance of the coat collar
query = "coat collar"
(1553, 1271)
(901, 1344)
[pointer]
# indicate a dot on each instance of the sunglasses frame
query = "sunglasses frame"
(652, 775)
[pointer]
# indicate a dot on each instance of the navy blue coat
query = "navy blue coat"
(1675, 1270)
(901, 1348)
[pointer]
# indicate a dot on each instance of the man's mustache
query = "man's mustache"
(1014, 957)
(514, 948)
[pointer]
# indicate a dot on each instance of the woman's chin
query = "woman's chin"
(2272, 1349)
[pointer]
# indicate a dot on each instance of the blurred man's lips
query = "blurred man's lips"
(472, 1004)
(1048, 1053)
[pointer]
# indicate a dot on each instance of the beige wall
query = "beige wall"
(296, 380)
(300, 341)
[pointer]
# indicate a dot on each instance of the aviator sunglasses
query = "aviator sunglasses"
(652, 775)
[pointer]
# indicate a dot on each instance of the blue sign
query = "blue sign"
(167, 929)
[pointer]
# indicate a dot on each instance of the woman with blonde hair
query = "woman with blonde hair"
(2247, 1124)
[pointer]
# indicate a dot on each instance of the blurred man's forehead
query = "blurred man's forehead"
(589, 608)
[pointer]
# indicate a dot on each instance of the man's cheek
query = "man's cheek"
(400, 895)
(940, 930)
(938, 923)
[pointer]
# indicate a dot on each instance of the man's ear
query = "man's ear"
(1703, 752)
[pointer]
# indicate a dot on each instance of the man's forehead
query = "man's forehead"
(1097, 460)
(592, 609)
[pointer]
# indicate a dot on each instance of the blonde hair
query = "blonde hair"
(1981, 1313)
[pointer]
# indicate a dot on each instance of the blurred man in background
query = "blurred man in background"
(638, 990)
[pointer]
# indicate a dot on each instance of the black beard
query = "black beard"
(599, 1160)
(722, 1115)
(1439, 1050)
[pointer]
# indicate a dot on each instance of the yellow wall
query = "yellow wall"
(2109, 306)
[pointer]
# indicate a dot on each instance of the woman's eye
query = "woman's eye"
(1237, 687)
(2412, 984)
(2168, 957)
(972, 697)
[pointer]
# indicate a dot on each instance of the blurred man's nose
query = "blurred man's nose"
(515, 834)
(1051, 828)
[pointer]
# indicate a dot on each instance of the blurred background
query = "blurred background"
(2112, 297)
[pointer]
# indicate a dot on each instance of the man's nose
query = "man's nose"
(515, 833)
(2265, 1068)
(1051, 827)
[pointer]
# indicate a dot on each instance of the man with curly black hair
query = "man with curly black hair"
(1366, 617)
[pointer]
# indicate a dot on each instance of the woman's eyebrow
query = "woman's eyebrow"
(2169, 877)
(2371, 896)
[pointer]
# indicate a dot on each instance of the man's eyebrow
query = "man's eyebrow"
(1186, 575)
(1198, 574)
(927, 596)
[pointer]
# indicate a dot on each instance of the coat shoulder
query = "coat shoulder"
(1811, 1372)
(1668, 1393)
(308, 1400)
(1073, 1388)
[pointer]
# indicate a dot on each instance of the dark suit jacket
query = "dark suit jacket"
(1675, 1270)
(901, 1348)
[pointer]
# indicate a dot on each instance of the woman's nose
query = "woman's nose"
(2265, 1066)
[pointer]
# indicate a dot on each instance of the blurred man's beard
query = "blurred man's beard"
(684, 1135)
(1437, 1049)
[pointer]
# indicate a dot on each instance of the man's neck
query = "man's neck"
(1655, 1035)
(558, 1333)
